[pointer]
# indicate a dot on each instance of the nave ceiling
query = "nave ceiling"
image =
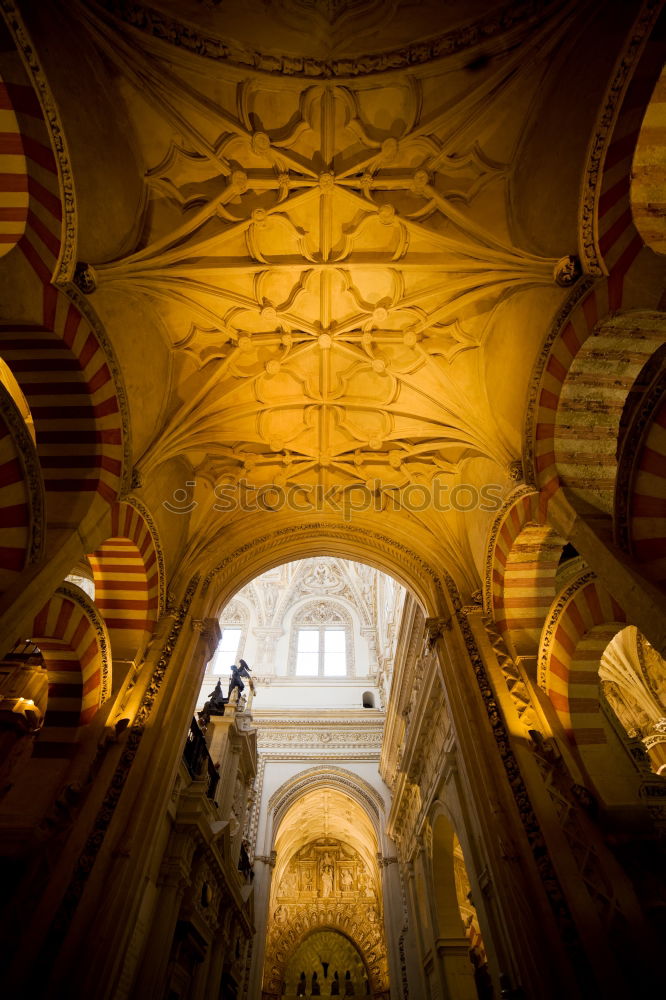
(323, 285)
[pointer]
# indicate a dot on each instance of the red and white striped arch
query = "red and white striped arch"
(610, 243)
(129, 579)
(581, 622)
(21, 495)
(64, 372)
(30, 202)
(524, 556)
(641, 509)
(54, 350)
(588, 373)
(76, 650)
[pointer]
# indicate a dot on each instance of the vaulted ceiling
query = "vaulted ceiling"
(324, 282)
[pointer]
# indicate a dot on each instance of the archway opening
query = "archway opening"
(326, 907)
(326, 960)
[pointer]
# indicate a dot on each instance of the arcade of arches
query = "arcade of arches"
(332, 339)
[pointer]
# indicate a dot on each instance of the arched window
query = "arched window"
(233, 625)
(321, 641)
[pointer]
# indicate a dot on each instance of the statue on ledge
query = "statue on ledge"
(214, 705)
(237, 673)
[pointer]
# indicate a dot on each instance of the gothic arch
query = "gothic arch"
(302, 903)
(331, 777)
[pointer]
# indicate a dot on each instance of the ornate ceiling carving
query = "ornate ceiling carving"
(323, 255)
(320, 38)
(326, 884)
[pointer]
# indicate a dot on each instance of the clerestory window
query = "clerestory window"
(321, 641)
(228, 649)
(321, 652)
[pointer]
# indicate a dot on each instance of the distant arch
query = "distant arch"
(75, 645)
(128, 570)
(581, 623)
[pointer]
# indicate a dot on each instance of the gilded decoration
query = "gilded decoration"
(327, 884)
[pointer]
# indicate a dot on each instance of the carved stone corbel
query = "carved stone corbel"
(435, 629)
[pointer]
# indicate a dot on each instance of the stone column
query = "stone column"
(173, 881)
(525, 936)
(264, 865)
(395, 924)
(546, 846)
(215, 963)
(126, 856)
(412, 938)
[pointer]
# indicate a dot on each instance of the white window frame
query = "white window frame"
(319, 616)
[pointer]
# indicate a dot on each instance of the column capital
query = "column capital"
(435, 629)
(267, 859)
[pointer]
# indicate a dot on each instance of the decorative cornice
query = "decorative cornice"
(266, 722)
(65, 265)
(186, 37)
(591, 256)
